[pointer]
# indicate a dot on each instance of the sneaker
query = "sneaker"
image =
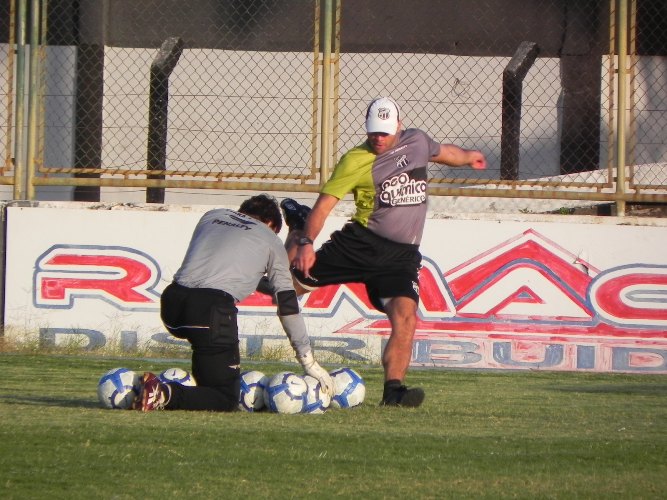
(154, 394)
(402, 396)
(295, 214)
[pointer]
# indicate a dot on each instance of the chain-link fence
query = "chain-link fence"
(165, 94)
(6, 88)
(648, 99)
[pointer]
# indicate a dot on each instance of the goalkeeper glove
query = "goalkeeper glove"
(313, 368)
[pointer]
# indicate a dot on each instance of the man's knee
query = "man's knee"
(300, 289)
(402, 312)
(213, 370)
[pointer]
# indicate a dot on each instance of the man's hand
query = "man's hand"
(312, 368)
(304, 260)
(455, 156)
(304, 257)
(477, 160)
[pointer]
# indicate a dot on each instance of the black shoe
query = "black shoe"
(295, 214)
(402, 396)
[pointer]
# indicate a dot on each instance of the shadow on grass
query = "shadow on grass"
(49, 401)
(637, 389)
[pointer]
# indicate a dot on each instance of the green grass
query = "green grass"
(478, 435)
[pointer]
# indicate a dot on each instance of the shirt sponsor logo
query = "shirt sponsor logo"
(402, 190)
(241, 223)
(400, 148)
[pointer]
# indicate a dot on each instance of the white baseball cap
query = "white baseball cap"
(382, 116)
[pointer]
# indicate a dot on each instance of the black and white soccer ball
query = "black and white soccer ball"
(251, 395)
(118, 388)
(349, 388)
(178, 375)
(317, 401)
(286, 393)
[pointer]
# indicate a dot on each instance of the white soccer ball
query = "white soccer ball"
(118, 387)
(178, 375)
(251, 396)
(349, 388)
(317, 401)
(285, 393)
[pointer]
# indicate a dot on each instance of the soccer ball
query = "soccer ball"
(118, 387)
(251, 396)
(349, 388)
(317, 401)
(285, 393)
(178, 375)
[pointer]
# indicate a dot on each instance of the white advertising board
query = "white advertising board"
(524, 292)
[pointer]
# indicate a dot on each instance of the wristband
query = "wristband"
(303, 241)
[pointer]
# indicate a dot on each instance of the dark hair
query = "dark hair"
(265, 208)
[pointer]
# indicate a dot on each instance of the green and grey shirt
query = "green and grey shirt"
(390, 189)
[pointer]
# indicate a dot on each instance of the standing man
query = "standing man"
(379, 247)
(228, 255)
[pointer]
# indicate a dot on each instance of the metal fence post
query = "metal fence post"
(510, 142)
(34, 97)
(19, 148)
(622, 49)
(158, 111)
(325, 156)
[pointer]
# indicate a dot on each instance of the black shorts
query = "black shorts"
(355, 254)
(204, 316)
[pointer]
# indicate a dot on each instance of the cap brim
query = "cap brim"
(381, 127)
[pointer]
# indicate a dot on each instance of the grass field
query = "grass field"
(478, 435)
